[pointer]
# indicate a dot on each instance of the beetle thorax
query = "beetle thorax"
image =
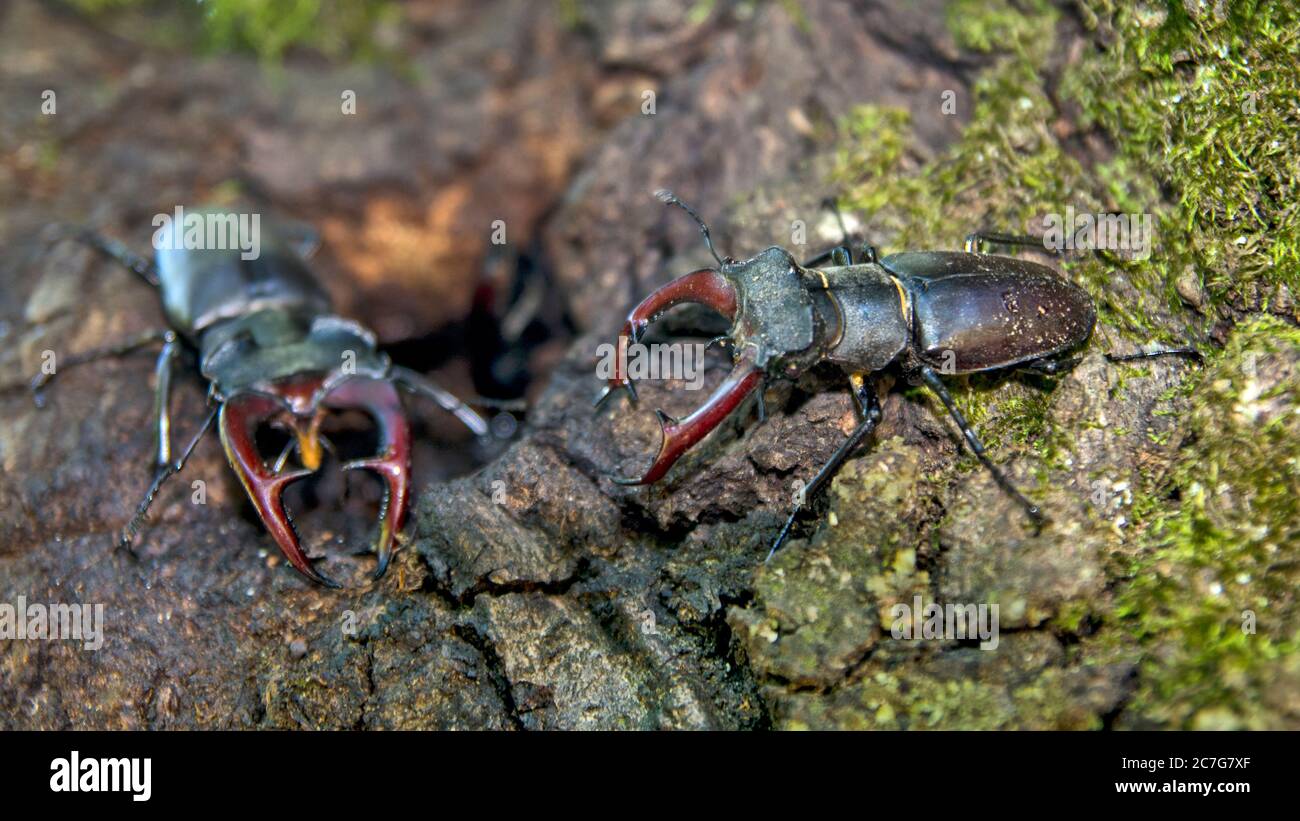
(269, 346)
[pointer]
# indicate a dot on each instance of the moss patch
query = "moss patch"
(1211, 597)
(333, 28)
(1203, 99)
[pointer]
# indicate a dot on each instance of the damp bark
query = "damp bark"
(532, 592)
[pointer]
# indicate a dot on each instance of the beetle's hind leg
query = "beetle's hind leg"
(1189, 352)
(869, 407)
(936, 384)
(1054, 367)
(1048, 366)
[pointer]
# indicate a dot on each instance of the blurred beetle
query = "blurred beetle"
(273, 352)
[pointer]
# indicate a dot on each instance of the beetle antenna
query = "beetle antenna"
(669, 198)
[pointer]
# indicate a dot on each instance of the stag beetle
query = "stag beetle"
(928, 312)
(272, 351)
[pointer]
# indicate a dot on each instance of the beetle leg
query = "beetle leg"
(237, 423)
(120, 254)
(393, 462)
(705, 287)
(1049, 367)
(1052, 367)
(935, 384)
(423, 386)
(866, 254)
(164, 467)
(977, 241)
(1188, 352)
(162, 474)
(680, 436)
(869, 407)
(128, 346)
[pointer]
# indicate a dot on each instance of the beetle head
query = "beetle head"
(299, 403)
(777, 331)
(774, 333)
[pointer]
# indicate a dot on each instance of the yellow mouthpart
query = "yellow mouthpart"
(309, 447)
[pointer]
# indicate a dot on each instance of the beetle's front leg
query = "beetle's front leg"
(164, 466)
(869, 407)
(935, 384)
(119, 253)
(421, 385)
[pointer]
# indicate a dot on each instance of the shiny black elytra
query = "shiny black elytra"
(929, 312)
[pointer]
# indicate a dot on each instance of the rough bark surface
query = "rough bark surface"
(532, 592)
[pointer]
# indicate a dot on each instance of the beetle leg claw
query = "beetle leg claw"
(392, 463)
(237, 422)
(608, 391)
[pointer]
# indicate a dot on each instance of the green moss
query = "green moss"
(963, 689)
(1219, 545)
(889, 701)
(1004, 170)
(1203, 99)
(1072, 616)
(334, 28)
(999, 26)
(268, 30)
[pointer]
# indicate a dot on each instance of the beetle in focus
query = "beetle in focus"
(266, 339)
(928, 312)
